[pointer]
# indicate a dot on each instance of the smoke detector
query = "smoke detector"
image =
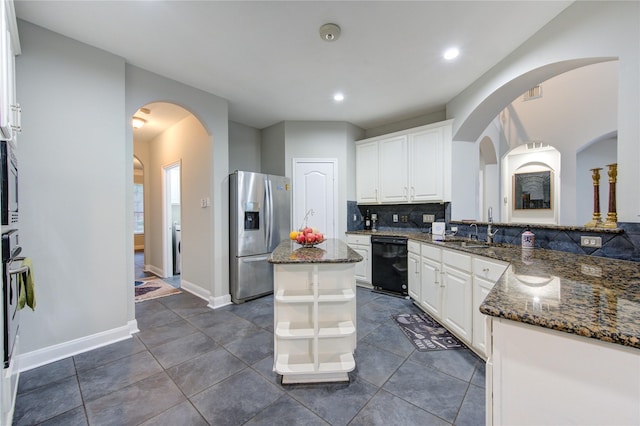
(329, 32)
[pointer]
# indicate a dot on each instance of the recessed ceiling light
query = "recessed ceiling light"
(138, 122)
(451, 53)
(338, 97)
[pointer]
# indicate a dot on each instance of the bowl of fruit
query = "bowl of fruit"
(307, 237)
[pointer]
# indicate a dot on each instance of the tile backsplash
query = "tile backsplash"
(622, 244)
(409, 216)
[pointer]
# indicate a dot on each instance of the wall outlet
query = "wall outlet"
(395, 218)
(427, 218)
(404, 218)
(594, 242)
(355, 217)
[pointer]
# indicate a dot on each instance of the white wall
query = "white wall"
(598, 154)
(244, 148)
(143, 87)
(584, 31)
(188, 143)
(319, 139)
(74, 174)
(272, 159)
(576, 108)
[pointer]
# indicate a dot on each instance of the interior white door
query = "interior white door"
(315, 189)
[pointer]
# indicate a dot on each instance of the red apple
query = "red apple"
(311, 238)
(307, 230)
(319, 237)
(301, 238)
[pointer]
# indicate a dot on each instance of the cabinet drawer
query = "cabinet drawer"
(490, 270)
(413, 247)
(358, 239)
(457, 260)
(433, 253)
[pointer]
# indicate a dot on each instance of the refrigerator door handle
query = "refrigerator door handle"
(267, 213)
(270, 207)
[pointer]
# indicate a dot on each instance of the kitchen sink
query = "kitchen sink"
(467, 244)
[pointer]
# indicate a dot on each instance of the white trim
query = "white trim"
(37, 358)
(219, 301)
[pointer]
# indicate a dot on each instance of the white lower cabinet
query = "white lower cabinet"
(485, 274)
(413, 270)
(361, 244)
(457, 294)
(431, 280)
(314, 321)
(450, 285)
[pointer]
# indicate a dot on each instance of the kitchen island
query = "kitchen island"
(314, 311)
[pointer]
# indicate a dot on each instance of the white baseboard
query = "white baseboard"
(194, 289)
(214, 302)
(64, 350)
(154, 270)
(133, 326)
(220, 301)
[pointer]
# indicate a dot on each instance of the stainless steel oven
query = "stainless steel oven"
(11, 269)
(389, 264)
(8, 186)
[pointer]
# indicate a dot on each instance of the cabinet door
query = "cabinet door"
(363, 269)
(481, 288)
(431, 286)
(393, 170)
(456, 302)
(413, 276)
(367, 172)
(426, 165)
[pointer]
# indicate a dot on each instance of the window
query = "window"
(138, 208)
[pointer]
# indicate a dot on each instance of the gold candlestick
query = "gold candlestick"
(596, 219)
(612, 216)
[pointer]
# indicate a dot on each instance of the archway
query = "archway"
(173, 135)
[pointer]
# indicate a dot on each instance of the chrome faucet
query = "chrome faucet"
(491, 232)
(474, 237)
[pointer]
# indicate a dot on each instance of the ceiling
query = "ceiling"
(268, 60)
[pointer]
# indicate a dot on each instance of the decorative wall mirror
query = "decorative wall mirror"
(532, 190)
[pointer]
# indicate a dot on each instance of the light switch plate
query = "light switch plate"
(395, 218)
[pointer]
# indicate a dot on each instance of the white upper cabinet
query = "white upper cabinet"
(429, 168)
(393, 167)
(367, 172)
(9, 47)
(411, 166)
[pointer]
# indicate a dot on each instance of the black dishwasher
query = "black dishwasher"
(389, 264)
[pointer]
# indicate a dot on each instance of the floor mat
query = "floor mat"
(152, 288)
(425, 333)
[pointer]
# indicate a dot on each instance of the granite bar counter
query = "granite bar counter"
(314, 311)
(584, 295)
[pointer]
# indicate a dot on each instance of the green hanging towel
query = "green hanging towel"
(27, 287)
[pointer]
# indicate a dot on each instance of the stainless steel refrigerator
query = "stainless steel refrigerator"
(260, 218)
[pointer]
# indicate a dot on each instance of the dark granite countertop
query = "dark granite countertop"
(589, 296)
(329, 251)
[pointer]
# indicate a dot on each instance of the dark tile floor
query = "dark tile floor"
(191, 365)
